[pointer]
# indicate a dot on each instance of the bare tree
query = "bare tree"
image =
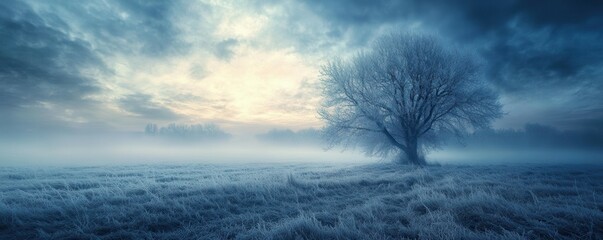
(400, 95)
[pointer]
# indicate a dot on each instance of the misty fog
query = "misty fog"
(387, 119)
(137, 149)
(535, 144)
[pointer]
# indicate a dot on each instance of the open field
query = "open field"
(302, 201)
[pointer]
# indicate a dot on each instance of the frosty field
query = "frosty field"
(302, 201)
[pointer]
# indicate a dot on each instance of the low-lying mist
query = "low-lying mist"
(515, 156)
(536, 144)
(127, 150)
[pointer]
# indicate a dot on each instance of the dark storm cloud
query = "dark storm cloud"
(559, 38)
(533, 49)
(39, 62)
(143, 106)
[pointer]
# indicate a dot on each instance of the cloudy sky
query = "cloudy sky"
(112, 65)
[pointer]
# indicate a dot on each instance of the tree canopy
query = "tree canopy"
(397, 96)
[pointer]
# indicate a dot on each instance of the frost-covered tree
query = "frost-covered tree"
(397, 97)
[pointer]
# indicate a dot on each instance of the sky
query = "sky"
(249, 66)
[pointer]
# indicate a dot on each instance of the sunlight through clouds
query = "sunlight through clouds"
(250, 63)
(244, 84)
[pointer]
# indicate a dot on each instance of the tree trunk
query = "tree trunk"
(412, 153)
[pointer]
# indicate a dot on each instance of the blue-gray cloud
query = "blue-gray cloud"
(143, 106)
(557, 39)
(224, 49)
(53, 54)
(40, 62)
(532, 49)
(127, 26)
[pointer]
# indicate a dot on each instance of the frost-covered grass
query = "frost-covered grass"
(302, 201)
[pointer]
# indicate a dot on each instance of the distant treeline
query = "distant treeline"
(531, 136)
(208, 131)
(536, 136)
(288, 136)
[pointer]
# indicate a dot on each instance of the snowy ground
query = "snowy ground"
(307, 201)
